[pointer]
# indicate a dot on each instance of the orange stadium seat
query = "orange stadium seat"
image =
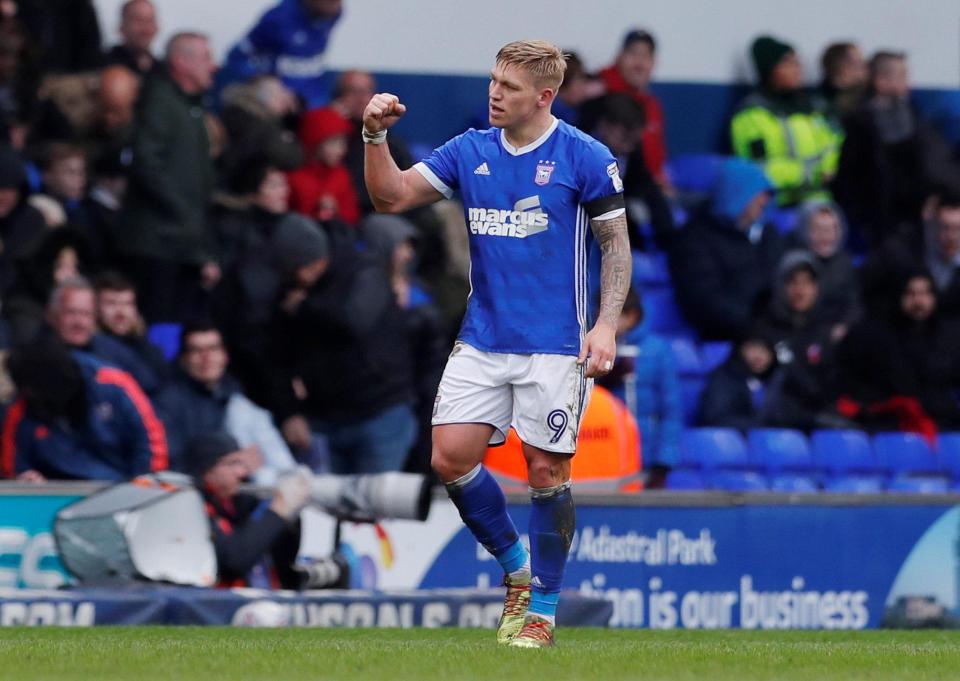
(608, 453)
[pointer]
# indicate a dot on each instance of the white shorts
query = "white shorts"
(542, 396)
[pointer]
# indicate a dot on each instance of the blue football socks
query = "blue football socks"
(553, 520)
(483, 508)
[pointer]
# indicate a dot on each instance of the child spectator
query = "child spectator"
(736, 391)
(322, 188)
(64, 171)
(647, 381)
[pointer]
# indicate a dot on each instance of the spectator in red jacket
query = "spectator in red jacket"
(322, 188)
(630, 74)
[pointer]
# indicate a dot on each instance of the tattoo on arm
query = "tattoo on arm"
(615, 265)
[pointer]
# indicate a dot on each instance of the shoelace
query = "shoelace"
(514, 603)
(536, 629)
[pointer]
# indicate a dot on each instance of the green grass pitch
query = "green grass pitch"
(214, 653)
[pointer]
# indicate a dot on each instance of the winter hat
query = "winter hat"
(318, 125)
(298, 241)
(767, 52)
(383, 233)
(13, 175)
(204, 451)
(738, 181)
(796, 260)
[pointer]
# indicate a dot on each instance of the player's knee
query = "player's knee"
(547, 471)
(447, 467)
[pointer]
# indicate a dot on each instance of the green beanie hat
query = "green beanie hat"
(767, 53)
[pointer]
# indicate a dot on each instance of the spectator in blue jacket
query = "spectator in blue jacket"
(77, 419)
(645, 378)
(289, 42)
(72, 314)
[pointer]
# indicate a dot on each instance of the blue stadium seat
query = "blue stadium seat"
(924, 484)
(713, 354)
(691, 387)
(899, 453)
(738, 481)
(650, 270)
(843, 451)
(779, 449)
(802, 484)
(695, 173)
(165, 336)
(685, 479)
(785, 219)
(854, 484)
(662, 314)
(948, 453)
(687, 358)
(711, 448)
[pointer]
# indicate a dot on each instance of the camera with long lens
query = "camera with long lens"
(155, 528)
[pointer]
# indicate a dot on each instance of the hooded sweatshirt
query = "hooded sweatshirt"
(721, 271)
(315, 180)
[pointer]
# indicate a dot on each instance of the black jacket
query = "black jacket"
(727, 401)
(348, 342)
(721, 278)
(245, 532)
(171, 178)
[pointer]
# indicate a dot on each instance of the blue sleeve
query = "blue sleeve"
(599, 173)
(441, 167)
(671, 413)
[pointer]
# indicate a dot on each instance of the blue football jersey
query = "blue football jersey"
(528, 212)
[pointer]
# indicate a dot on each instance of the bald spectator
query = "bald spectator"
(116, 97)
(162, 232)
(138, 28)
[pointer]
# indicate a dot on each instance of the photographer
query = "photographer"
(256, 540)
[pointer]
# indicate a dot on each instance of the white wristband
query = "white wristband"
(374, 137)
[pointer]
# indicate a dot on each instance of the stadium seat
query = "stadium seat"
(712, 448)
(687, 358)
(662, 315)
(685, 479)
(690, 389)
(839, 452)
(779, 449)
(713, 354)
(694, 173)
(785, 219)
(738, 481)
(948, 453)
(802, 484)
(650, 270)
(899, 453)
(923, 484)
(165, 336)
(854, 484)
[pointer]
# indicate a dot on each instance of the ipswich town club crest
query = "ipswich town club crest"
(544, 171)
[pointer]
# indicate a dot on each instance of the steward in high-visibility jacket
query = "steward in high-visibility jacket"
(784, 129)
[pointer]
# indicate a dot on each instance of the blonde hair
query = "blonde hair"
(544, 61)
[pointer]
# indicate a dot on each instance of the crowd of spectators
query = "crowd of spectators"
(148, 196)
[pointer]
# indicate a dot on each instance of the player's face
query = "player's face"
(513, 96)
